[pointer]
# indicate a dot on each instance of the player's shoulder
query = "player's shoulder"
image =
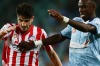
(10, 24)
(39, 28)
(96, 20)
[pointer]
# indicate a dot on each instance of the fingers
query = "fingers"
(24, 46)
(56, 15)
(12, 28)
(52, 12)
(21, 49)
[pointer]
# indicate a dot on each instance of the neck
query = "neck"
(89, 18)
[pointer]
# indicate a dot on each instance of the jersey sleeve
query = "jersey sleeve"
(67, 31)
(44, 35)
(96, 23)
(5, 27)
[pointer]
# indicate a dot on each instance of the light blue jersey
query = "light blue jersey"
(84, 46)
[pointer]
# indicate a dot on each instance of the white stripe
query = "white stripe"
(27, 58)
(27, 37)
(20, 38)
(10, 56)
(45, 34)
(34, 60)
(35, 32)
(18, 58)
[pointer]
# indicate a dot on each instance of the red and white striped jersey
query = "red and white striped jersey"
(13, 56)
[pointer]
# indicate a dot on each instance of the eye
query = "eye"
(26, 20)
(20, 20)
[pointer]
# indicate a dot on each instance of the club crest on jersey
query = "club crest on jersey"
(15, 39)
(32, 38)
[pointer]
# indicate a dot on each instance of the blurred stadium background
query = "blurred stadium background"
(42, 19)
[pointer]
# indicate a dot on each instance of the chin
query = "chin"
(84, 17)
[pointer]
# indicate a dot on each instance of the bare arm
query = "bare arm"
(5, 31)
(54, 39)
(82, 26)
(54, 57)
(78, 25)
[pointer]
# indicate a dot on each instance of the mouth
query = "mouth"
(24, 28)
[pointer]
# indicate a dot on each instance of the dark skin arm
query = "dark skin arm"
(82, 26)
(78, 25)
(54, 39)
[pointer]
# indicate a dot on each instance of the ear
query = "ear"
(32, 18)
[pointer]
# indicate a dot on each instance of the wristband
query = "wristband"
(38, 43)
(65, 19)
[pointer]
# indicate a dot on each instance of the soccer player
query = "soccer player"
(83, 32)
(24, 32)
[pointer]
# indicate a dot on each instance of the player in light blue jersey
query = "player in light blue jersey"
(83, 32)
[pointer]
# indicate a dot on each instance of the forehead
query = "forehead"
(82, 2)
(22, 17)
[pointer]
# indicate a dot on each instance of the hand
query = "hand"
(56, 15)
(12, 28)
(26, 46)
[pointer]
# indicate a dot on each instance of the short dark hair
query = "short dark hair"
(92, 3)
(24, 9)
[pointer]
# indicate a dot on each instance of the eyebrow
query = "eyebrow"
(24, 19)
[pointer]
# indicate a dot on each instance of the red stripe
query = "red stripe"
(4, 53)
(31, 32)
(43, 36)
(39, 32)
(11, 34)
(31, 58)
(14, 58)
(32, 52)
(22, 58)
(8, 55)
(37, 58)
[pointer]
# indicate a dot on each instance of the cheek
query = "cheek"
(19, 24)
(29, 23)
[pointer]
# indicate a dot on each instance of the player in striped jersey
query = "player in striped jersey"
(24, 32)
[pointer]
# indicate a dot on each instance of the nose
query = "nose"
(81, 9)
(23, 24)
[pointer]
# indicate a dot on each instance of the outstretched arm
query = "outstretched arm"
(78, 25)
(54, 39)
